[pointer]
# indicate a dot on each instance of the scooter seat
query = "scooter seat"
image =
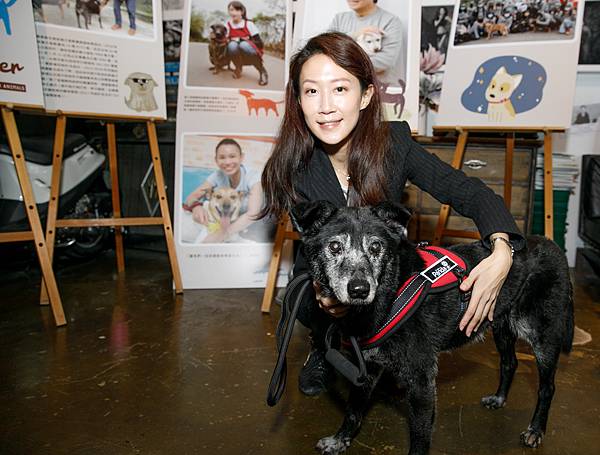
(38, 149)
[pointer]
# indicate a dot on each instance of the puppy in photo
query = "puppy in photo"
(223, 207)
(370, 39)
(217, 48)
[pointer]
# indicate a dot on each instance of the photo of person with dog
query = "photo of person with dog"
(332, 146)
(509, 21)
(99, 15)
(224, 206)
(237, 44)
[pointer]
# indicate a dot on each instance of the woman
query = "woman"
(245, 46)
(333, 146)
(231, 174)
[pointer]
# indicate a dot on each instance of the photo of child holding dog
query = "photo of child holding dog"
(114, 17)
(509, 21)
(222, 191)
(237, 44)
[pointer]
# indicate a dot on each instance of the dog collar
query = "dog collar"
(499, 102)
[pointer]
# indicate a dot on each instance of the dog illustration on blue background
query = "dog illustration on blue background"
(4, 5)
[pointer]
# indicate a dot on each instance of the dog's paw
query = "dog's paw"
(532, 438)
(332, 445)
(493, 402)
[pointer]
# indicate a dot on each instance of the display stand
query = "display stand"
(35, 233)
(457, 162)
(117, 221)
(284, 232)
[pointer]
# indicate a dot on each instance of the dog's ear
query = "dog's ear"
(309, 217)
(394, 216)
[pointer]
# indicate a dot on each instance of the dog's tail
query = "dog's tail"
(569, 323)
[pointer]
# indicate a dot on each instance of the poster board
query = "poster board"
(402, 63)
(226, 127)
(107, 62)
(20, 78)
(511, 65)
(589, 51)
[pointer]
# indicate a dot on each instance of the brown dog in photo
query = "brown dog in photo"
(224, 205)
(217, 48)
(491, 28)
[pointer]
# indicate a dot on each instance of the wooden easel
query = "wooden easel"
(457, 162)
(35, 233)
(117, 220)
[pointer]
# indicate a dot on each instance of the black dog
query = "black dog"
(217, 48)
(362, 256)
(87, 8)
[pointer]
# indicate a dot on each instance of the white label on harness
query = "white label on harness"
(438, 269)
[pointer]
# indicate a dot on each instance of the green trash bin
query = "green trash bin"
(561, 203)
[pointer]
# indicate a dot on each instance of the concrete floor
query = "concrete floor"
(139, 371)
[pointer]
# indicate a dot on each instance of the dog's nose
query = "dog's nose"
(358, 289)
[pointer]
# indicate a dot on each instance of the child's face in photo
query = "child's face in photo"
(229, 159)
(235, 14)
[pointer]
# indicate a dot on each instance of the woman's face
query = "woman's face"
(235, 14)
(229, 159)
(331, 99)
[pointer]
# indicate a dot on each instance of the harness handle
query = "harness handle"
(356, 375)
(283, 334)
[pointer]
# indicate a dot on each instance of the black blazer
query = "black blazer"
(469, 196)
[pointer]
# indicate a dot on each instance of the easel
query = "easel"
(35, 233)
(117, 220)
(457, 162)
(284, 232)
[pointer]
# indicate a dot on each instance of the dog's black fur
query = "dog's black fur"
(361, 256)
(87, 8)
(217, 48)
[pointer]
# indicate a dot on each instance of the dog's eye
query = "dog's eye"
(375, 248)
(218, 196)
(335, 247)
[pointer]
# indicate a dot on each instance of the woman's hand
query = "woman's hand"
(200, 215)
(485, 281)
(330, 305)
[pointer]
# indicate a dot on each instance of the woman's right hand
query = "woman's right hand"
(330, 305)
(200, 215)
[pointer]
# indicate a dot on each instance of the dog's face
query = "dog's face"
(218, 32)
(502, 86)
(140, 83)
(370, 42)
(224, 204)
(351, 251)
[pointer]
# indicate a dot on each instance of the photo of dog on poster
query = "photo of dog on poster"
(221, 189)
(237, 44)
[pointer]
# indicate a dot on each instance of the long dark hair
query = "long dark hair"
(293, 149)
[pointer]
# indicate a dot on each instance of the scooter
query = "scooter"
(82, 191)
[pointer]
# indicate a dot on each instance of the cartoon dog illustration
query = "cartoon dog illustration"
(141, 97)
(257, 103)
(498, 95)
(396, 99)
(4, 16)
(370, 40)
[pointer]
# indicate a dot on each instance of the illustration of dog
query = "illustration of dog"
(491, 28)
(224, 205)
(88, 8)
(362, 257)
(141, 97)
(397, 99)
(498, 94)
(257, 103)
(370, 41)
(217, 48)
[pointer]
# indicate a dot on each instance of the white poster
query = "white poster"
(231, 90)
(102, 57)
(20, 80)
(391, 37)
(511, 64)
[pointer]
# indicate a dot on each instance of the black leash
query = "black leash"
(285, 327)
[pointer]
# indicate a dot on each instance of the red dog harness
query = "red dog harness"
(444, 270)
